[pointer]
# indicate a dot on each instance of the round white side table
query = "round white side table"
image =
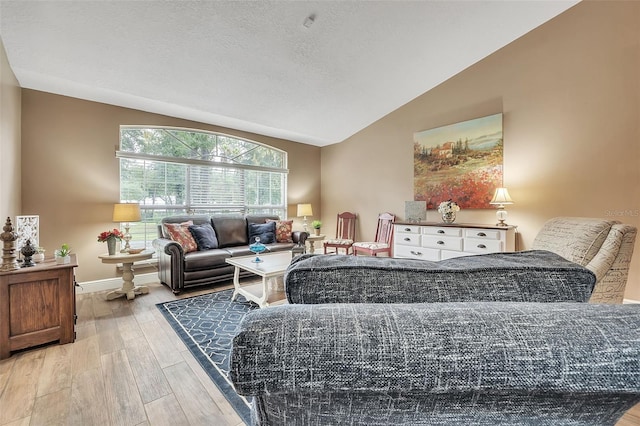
(127, 260)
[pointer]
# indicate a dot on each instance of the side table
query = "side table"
(127, 260)
(312, 240)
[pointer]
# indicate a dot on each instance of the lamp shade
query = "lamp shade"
(126, 212)
(501, 197)
(304, 210)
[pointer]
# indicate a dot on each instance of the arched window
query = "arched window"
(171, 171)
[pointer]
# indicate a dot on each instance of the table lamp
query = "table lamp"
(304, 210)
(126, 213)
(500, 198)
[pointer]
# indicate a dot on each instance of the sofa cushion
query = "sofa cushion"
(230, 230)
(284, 229)
(204, 235)
(207, 259)
(265, 231)
(575, 239)
(179, 232)
(529, 276)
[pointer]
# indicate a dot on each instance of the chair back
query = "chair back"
(346, 226)
(385, 228)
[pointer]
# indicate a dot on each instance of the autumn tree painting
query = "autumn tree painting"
(460, 162)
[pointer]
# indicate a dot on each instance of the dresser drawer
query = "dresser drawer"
(489, 234)
(407, 229)
(442, 242)
(477, 245)
(444, 231)
(406, 239)
(416, 253)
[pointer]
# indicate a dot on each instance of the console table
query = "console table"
(439, 241)
(37, 306)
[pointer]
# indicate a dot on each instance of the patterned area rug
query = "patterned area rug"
(207, 324)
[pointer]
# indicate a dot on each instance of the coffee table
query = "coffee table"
(273, 266)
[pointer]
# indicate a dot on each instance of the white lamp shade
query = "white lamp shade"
(304, 210)
(126, 212)
(501, 197)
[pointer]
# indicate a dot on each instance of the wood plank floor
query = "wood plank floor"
(126, 367)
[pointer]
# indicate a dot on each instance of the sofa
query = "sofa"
(405, 342)
(601, 245)
(183, 265)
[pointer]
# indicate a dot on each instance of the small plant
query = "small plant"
(63, 251)
(316, 224)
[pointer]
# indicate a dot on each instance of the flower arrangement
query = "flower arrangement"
(114, 233)
(448, 207)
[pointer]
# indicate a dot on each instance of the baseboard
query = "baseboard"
(111, 283)
(630, 301)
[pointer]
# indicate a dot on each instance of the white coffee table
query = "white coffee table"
(273, 266)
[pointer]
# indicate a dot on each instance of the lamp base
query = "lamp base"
(502, 216)
(126, 237)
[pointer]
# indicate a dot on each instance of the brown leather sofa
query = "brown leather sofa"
(179, 270)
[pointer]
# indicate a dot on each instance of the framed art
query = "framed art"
(27, 228)
(462, 162)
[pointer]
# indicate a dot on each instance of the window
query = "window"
(172, 171)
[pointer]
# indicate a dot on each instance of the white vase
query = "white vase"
(38, 257)
(62, 260)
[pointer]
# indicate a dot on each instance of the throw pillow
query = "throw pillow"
(179, 232)
(204, 235)
(266, 232)
(284, 228)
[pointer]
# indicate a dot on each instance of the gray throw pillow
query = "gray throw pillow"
(266, 232)
(204, 235)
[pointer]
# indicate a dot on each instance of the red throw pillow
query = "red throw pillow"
(179, 232)
(284, 228)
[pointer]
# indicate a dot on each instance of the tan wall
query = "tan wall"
(570, 93)
(9, 141)
(71, 176)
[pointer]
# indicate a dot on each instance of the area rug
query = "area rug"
(207, 324)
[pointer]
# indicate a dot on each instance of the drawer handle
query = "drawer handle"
(482, 246)
(407, 239)
(440, 231)
(481, 234)
(407, 229)
(416, 253)
(440, 242)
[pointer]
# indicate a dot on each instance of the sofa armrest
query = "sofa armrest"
(439, 348)
(299, 237)
(170, 263)
(531, 276)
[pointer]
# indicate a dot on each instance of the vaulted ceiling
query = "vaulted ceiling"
(315, 72)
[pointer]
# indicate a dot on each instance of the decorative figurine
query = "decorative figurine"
(8, 237)
(28, 251)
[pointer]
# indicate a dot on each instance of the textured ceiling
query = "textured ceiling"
(253, 65)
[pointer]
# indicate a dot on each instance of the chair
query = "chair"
(382, 242)
(603, 246)
(478, 347)
(345, 234)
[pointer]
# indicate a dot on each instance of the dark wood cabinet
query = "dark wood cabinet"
(37, 306)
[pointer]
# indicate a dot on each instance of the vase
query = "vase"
(316, 231)
(111, 245)
(449, 217)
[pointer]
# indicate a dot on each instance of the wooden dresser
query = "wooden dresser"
(439, 241)
(37, 306)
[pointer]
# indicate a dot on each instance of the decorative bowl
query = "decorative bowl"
(136, 251)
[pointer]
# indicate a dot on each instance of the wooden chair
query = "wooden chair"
(382, 243)
(345, 234)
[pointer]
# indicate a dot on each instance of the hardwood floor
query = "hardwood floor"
(126, 367)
